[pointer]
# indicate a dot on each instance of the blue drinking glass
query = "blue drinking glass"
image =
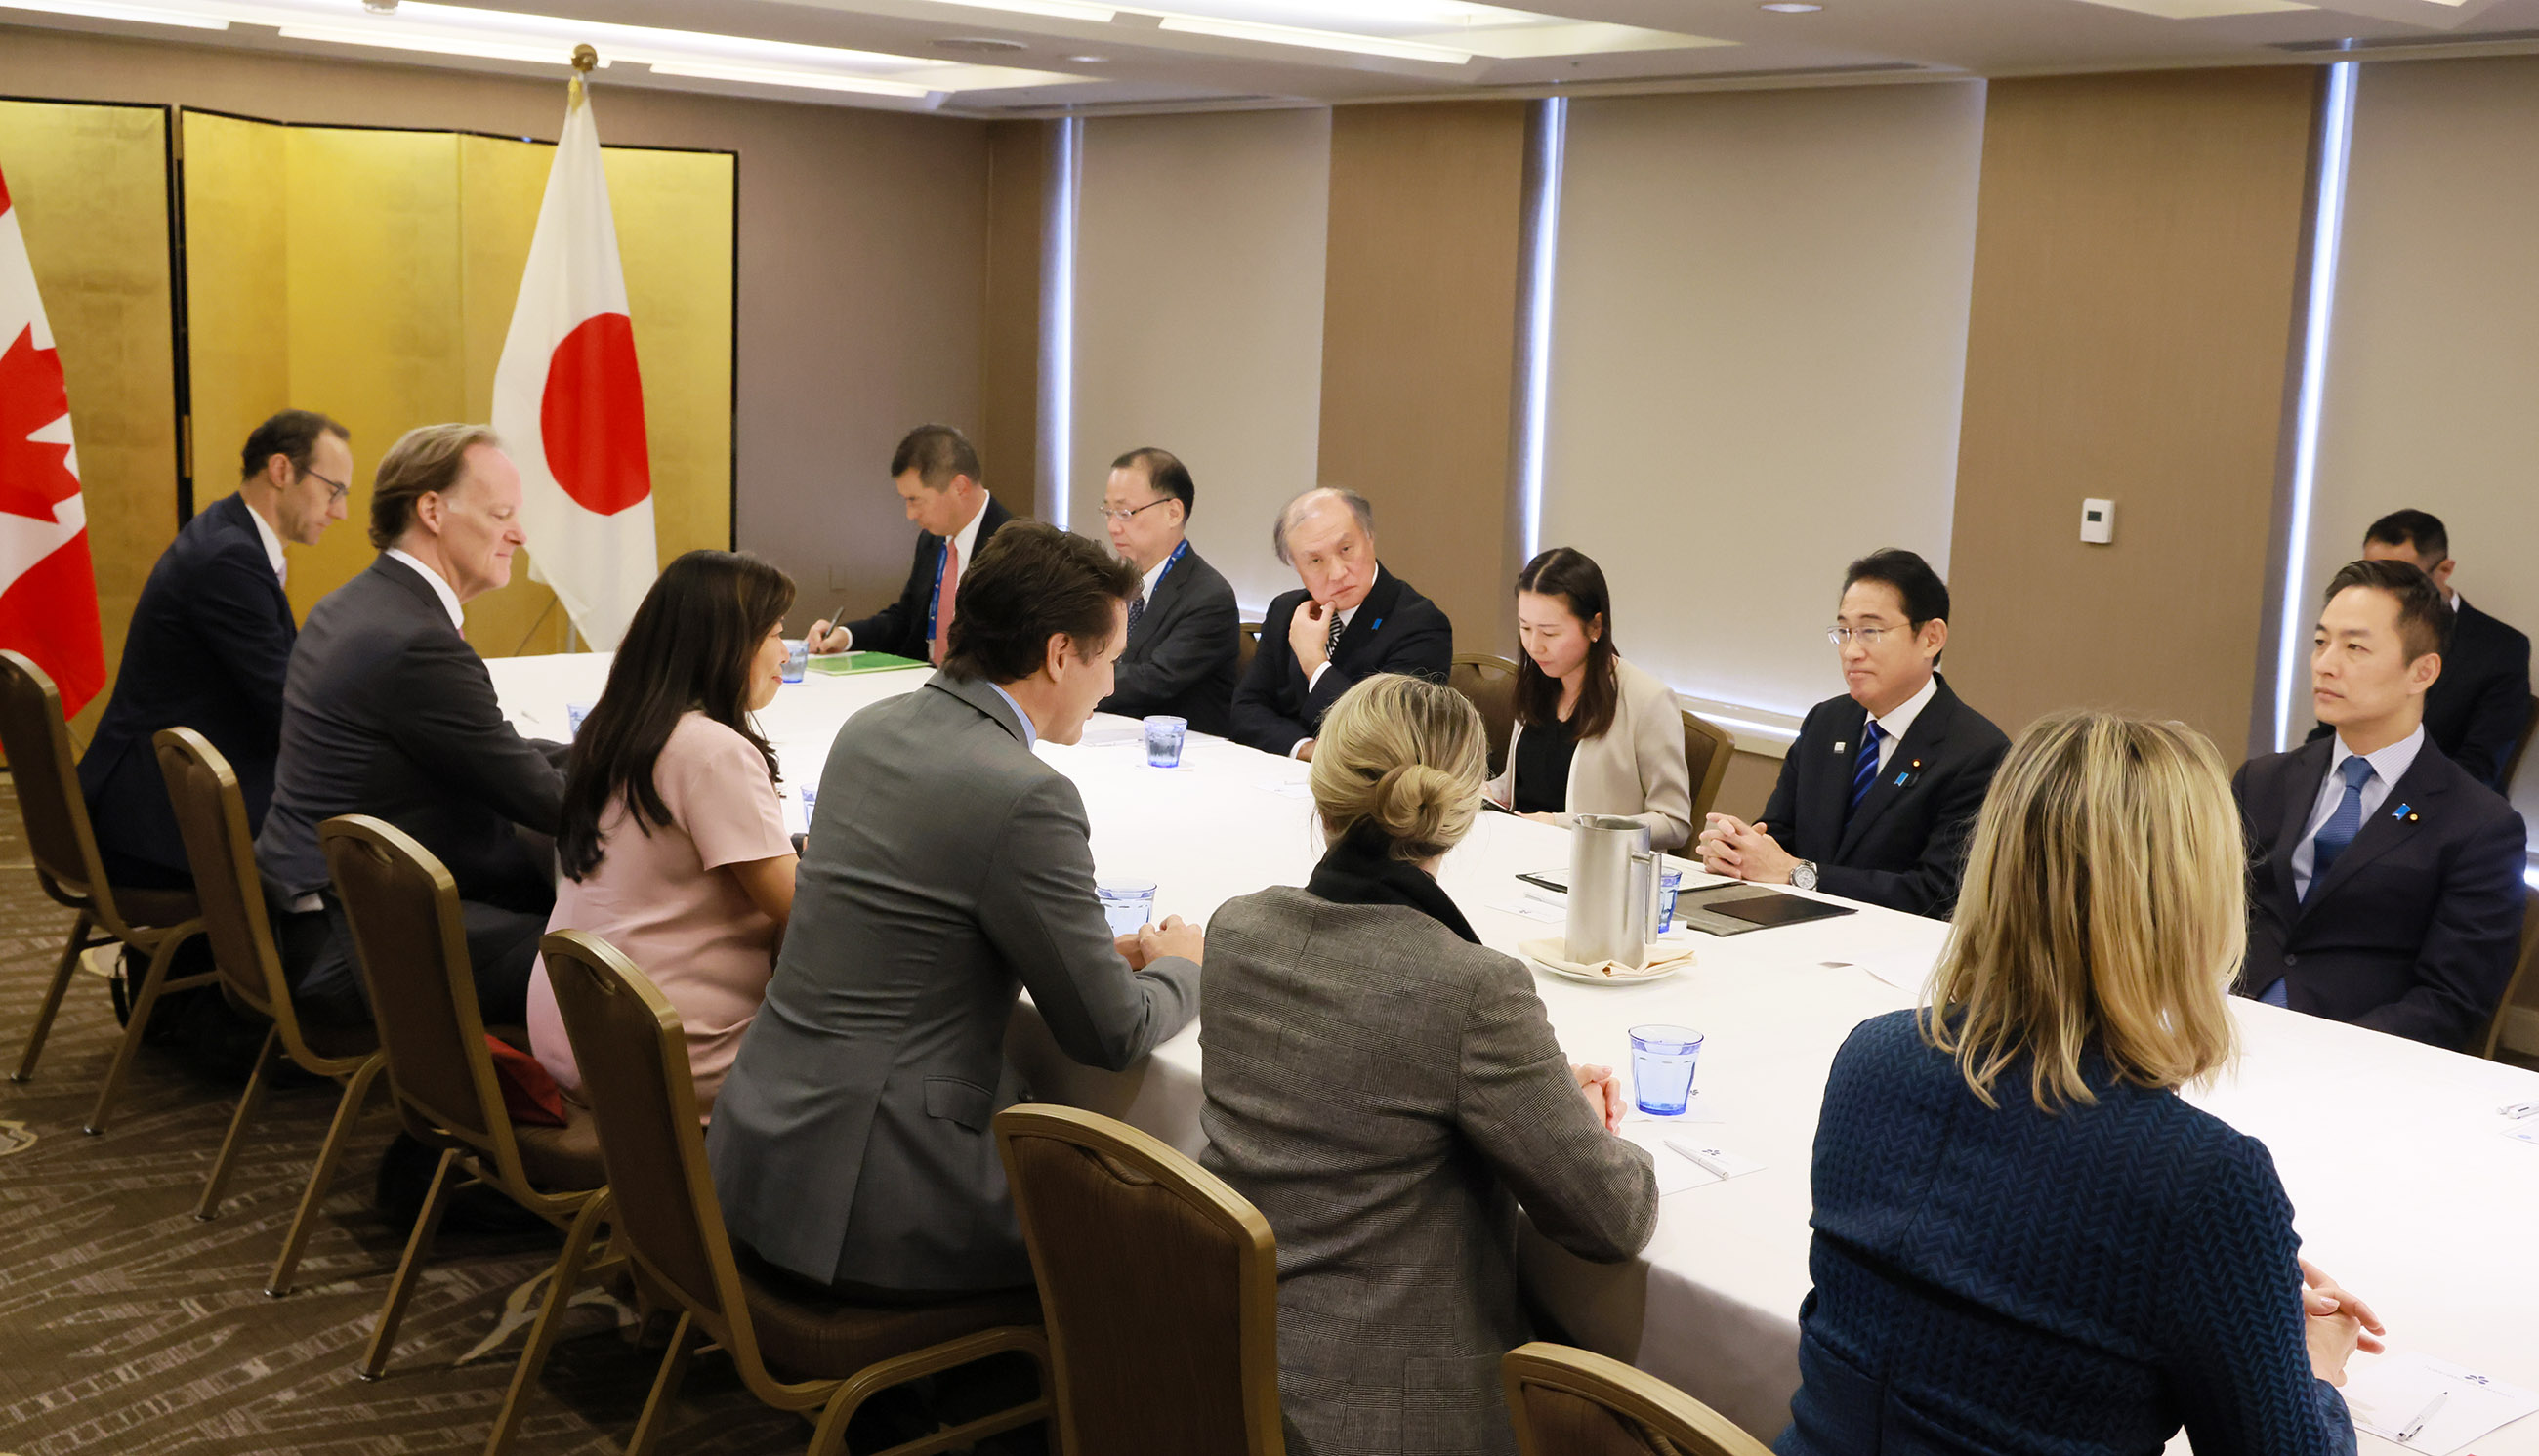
(1663, 1059)
(1669, 883)
(1164, 735)
(1126, 904)
(797, 658)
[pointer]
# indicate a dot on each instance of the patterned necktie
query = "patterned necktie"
(2341, 826)
(1864, 769)
(1331, 642)
(951, 579)
(1136, 609)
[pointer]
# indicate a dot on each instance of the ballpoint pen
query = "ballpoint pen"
(2519, 1110)
(2412, 1427)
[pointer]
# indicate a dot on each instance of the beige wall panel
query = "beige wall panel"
(1199, 320)
(1009, 438)
(1758, 338)
(2135, 261)
(90, 187)
(861, 260)
(1419, 306)
(2432, 382)
(237, 291)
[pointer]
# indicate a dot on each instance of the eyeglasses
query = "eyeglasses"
(1110, 515)
(338, 489)
(1868, 637)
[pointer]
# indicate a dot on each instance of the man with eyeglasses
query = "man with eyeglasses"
(1878, 794)
(1184, 629)
(210, 641)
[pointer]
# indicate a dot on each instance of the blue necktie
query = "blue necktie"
(1864, 769)
(1136, 609)
(2342, 825)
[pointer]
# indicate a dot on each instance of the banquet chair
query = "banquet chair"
(2523, 981)
(1707, 747)
(633, 1050)
(412, 946)
(63, 845)
(1159, 1283)
(211, 819)
(1489, 681)
(1568, 1402)
(1247, 646)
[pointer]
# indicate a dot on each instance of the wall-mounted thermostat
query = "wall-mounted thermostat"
(2098, 522)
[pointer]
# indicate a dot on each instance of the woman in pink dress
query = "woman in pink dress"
(672, 843)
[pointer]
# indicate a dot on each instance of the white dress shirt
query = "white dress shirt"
(2388, 766)
(1146, 584)
(441, 589)
(272, 546)
(1895, 725)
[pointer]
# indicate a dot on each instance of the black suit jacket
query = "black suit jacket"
(2415, 929)
(899, 628)
(389, 712)
(1907, 847)
(1181, 654)
(211, 638)
(1394, 630)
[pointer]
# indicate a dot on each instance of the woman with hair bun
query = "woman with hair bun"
(1387, 1091)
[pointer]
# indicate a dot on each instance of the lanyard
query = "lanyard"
(1169, 561)
(943, 559)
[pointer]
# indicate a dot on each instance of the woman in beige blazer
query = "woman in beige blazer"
(1606, 737)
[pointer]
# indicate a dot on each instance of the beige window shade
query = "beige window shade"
(1757, 352)
(2431, 395)
(1198, 318)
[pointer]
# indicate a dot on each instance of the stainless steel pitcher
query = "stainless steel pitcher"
(1613, 890)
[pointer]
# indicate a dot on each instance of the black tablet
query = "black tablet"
(1772, 908)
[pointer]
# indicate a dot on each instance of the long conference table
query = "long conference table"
(2402, 1186)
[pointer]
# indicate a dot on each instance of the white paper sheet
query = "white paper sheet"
(1675, 1172)
(2386, 1395)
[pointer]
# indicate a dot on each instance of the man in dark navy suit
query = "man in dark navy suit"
(1877, 797)
(1351, 619)
(2478, 709)
(210, 639)
(1184, 628)
(2385, 887)
(936, 472)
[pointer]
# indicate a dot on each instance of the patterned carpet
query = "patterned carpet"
(127, 1326)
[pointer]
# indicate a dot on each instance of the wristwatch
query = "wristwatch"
(1803, 876)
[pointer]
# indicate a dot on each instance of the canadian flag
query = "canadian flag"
(47, 585)
(569, 403)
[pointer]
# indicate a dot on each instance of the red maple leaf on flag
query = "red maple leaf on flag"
(35, 475)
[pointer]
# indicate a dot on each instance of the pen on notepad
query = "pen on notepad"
(2412, 1427)
(2518, 1110)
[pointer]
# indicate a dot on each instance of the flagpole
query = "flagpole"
(584, 60)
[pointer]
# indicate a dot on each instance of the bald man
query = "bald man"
(1351, 620)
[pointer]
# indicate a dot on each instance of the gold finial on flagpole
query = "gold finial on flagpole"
(584, 60)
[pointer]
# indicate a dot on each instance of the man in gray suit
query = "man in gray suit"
(947, 866)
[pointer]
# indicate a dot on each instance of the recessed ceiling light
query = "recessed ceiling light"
(1089, 60)
(1790, 7)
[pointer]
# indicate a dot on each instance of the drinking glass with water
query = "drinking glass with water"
(1126, 904)
(1663, 1059)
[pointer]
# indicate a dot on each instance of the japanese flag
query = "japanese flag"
(47, 587)
(569, 403)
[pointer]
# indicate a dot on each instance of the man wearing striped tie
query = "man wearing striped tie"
(2386, 884)
(1877, 795)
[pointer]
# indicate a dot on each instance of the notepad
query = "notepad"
(847, 664)
(2387, 1393)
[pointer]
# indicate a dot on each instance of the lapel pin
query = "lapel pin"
(1840, 746)
(2404, 812)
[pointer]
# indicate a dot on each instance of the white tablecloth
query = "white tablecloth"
(2404, 1188)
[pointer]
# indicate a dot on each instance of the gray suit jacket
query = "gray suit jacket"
(946, 867)
(1387, 1094)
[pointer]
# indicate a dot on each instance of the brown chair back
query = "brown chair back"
(1489, 681)
(1247, 646)
(2520, 745)
(1159, 1285)
(211, 818)
(1568, 1402)
(37, 741)
(411, 941)
(2523, 976)
(1707, 750)
(633, 1050)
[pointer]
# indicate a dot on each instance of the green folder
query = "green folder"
(847, 664)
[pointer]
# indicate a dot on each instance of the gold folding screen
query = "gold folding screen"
(370, 275)
(90, 184)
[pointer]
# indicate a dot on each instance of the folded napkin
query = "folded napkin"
(1663, 957)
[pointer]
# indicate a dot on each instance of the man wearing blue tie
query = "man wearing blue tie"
(2386, 883)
